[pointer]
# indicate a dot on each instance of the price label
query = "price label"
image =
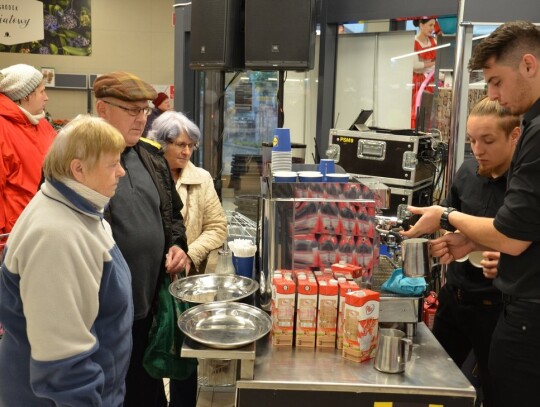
(348, 140)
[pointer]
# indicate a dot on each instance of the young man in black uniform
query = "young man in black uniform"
(469, 304)
(510, 59)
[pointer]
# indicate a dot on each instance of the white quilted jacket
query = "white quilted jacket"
(206, 225)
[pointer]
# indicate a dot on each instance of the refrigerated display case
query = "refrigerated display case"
(311, 225)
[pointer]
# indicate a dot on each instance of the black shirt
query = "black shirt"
(138, 229)
(475, 195)
(519, 217)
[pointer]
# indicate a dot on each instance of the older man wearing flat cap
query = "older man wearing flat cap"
(145, 218)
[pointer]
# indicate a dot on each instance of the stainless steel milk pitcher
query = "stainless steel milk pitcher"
(391, 346)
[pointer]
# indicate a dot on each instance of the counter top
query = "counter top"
(429, 372)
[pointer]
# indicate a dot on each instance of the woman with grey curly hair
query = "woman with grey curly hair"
(206, 225)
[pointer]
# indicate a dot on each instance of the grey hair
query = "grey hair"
(169, 125)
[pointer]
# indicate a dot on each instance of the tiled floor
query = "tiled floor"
(216, 397)
(211, 396)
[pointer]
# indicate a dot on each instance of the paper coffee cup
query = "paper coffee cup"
(475, 258)
(244, 265)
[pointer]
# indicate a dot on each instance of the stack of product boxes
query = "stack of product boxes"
(324, 310)
(331, 240)
(333, 229)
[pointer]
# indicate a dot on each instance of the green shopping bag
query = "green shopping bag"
(162, 355)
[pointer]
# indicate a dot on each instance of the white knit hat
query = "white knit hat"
(18, 81)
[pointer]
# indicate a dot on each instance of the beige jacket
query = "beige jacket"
(206, 225)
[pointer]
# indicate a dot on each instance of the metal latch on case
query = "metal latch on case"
(409, 161)
(371, 150)
(333, 152)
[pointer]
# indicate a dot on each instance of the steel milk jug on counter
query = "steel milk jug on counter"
(391, 346)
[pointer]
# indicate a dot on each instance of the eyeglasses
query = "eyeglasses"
(182, 146)
(132, 111)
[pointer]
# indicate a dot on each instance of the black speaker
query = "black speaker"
(217, 35)
(280, 34)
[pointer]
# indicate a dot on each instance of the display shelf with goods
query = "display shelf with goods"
(310, 225)
(250, 119)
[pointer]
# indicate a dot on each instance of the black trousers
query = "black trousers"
(141, 388)
(515, 355)
(465, 323)
(183, 393)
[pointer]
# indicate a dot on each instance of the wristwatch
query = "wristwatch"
(444, 223)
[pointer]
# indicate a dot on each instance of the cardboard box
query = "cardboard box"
(306, 309)
(345, 250)
(347, 269)
(365, 220)
(360, 326)
(283, 307)
(327, 312)
(328, 250)
(364, 253)
(345, 286)
(305, 252)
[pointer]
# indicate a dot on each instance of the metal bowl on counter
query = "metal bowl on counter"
(225, 325)
(207, 288)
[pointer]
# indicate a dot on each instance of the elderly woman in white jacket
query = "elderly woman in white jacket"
(206, 225)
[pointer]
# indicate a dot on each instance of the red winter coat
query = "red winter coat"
(22, 149)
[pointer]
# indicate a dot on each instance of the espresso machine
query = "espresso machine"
(395, 308)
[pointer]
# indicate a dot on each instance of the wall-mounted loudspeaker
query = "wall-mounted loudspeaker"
(217, 34)
(280, 34)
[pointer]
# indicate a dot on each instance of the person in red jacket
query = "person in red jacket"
(25, 138)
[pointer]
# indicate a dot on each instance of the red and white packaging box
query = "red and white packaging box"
(347, 269)
(327, 312)
(326, 273)
(306, 308)
(283, 307)
(344, 286)
(360, 327)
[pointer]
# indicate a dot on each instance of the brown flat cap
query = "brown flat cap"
(123, 86)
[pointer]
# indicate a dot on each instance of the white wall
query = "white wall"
(366, 78)
(300, 105)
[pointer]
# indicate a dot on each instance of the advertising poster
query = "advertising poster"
(49, 27)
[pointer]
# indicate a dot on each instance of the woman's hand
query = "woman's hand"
(177, 260)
